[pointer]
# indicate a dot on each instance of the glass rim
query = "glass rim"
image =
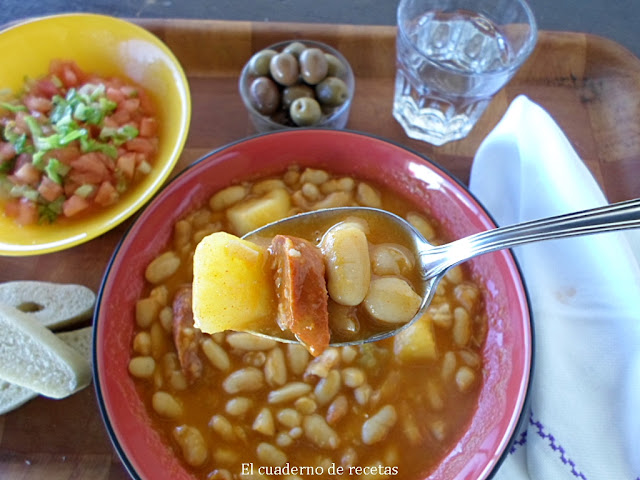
(516, 62)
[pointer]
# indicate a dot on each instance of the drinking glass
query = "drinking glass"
(452, 56)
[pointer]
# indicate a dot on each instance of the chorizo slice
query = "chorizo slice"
(301, 290)
(185, 335)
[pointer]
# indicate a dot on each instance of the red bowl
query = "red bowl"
(508, 347)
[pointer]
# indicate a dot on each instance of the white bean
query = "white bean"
(289, 417)
(216, 354)
(222, 427)
(392, 300)
(353, 377)
(376, 428)
(162, 267)
(142, 367)
(465, 378)
(238, 406)
(461, 331)
(248, 379)
(192, 443)
(328, 387)
(249, 342)
(391, 259)
(275, 368)
(367, 196)
(270, 455)
(166, 405)
(289, 392)
(227, 197)
(346, 253)
(264, 422)
(318, 431)
(297, 357)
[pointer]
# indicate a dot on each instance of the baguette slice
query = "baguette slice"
(32, 356)
(55, 305)
(13, 396)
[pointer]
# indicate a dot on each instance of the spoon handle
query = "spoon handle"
(617, 216)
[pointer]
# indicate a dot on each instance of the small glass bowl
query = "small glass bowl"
(335, 117)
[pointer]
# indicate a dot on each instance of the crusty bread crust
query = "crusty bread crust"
(54, 305)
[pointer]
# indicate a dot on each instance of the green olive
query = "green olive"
(259, 62)
(336, 67)
(332, 92)
(294, 48)
(284, 69)
(313, 65)
(305, 111)
(265, 95)
(289, 94)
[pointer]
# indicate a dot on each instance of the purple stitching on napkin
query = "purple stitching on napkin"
(552, 443)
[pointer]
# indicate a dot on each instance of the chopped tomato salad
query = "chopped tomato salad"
(72, 142)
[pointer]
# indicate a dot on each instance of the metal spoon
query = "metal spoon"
(434, 261)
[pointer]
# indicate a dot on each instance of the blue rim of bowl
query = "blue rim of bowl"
(518, 426)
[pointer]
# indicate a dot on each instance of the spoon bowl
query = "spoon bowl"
(434, 261)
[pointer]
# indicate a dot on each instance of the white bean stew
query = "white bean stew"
(236, 406)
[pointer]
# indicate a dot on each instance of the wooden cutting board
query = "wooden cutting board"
(590, 85)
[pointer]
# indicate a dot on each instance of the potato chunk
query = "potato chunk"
(232, 287)
(251, 214)
(416, 343)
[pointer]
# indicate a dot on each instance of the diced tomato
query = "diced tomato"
(7, 152)
(49, 189)
(115, 94)
(127, 164)
(140, 144)
(27, 174)
(97, 169)
(120, 117)
(66, 154)
(129, 105)
(23, 211)
(46, 88)
(89, 168)
(74, 205)
(38, 104)
(106, 194)
(148, 127)
(130, 91)
(70, 186)
(21, 125)
(68, 72)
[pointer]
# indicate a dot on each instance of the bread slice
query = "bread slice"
(32, 356)
(13, 396)
(80, 340)
(56, 305)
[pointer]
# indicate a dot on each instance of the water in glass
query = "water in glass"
(449, 65)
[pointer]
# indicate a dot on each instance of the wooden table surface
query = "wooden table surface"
(591, 86)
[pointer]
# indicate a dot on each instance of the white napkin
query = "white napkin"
(584, 418)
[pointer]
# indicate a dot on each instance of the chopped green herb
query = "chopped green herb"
(13, 108)
(49, 212)
(56, 170)
(84, 190)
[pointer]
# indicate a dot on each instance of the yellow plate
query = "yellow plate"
(107, 46)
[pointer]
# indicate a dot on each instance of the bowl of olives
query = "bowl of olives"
(298, 83)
